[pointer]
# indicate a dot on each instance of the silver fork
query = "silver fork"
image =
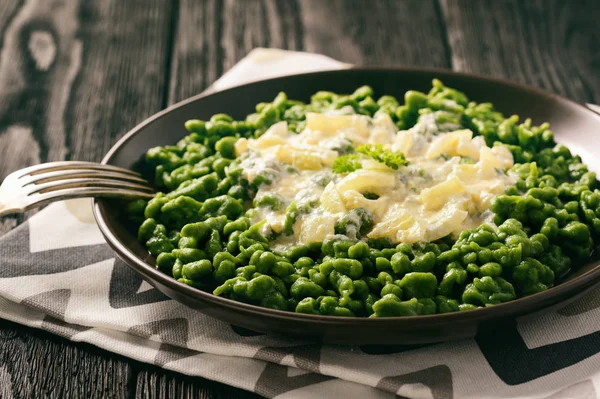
(53, 181)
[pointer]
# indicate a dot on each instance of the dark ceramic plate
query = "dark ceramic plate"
(573, 125)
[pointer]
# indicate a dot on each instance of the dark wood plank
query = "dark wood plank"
(380, 32)
(213, 35)
(196, 52)
(550, 44)
(34, 364)
(8, 11)
(123, 76)
(158, 384)
(75, 75)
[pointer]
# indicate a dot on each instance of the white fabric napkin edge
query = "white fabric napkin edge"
(264, 63)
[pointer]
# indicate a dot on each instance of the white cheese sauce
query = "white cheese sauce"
(435, 195)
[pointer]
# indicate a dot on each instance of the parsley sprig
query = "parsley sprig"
(347, 163)
(392, 159)
(351, 162)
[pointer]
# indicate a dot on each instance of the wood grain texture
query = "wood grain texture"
(251, 24)
(76, 75)
(196, 51)
(121, 82)
(213, 35)
(38, 63)
(34, 364)
(550, 44)
(158, 384)
(383, 32)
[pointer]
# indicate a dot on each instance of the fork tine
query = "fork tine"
(86, 182)
(83, 192)
(61, 165)
(65, 174)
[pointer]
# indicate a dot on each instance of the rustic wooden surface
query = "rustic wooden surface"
(75, 75)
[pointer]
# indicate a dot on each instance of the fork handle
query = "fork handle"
(80, 192)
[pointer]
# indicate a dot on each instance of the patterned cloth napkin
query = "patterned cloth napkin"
(59, 275)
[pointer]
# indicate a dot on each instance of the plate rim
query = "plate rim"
(510, 308)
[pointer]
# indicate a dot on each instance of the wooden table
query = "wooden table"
(76, 75)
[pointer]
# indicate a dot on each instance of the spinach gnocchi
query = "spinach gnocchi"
(351, 206)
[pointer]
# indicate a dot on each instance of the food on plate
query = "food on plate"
(352, 206)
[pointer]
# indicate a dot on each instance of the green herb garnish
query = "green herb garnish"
(347, 163)
(392, 159)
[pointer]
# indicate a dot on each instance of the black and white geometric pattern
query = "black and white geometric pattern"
(59, 275)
